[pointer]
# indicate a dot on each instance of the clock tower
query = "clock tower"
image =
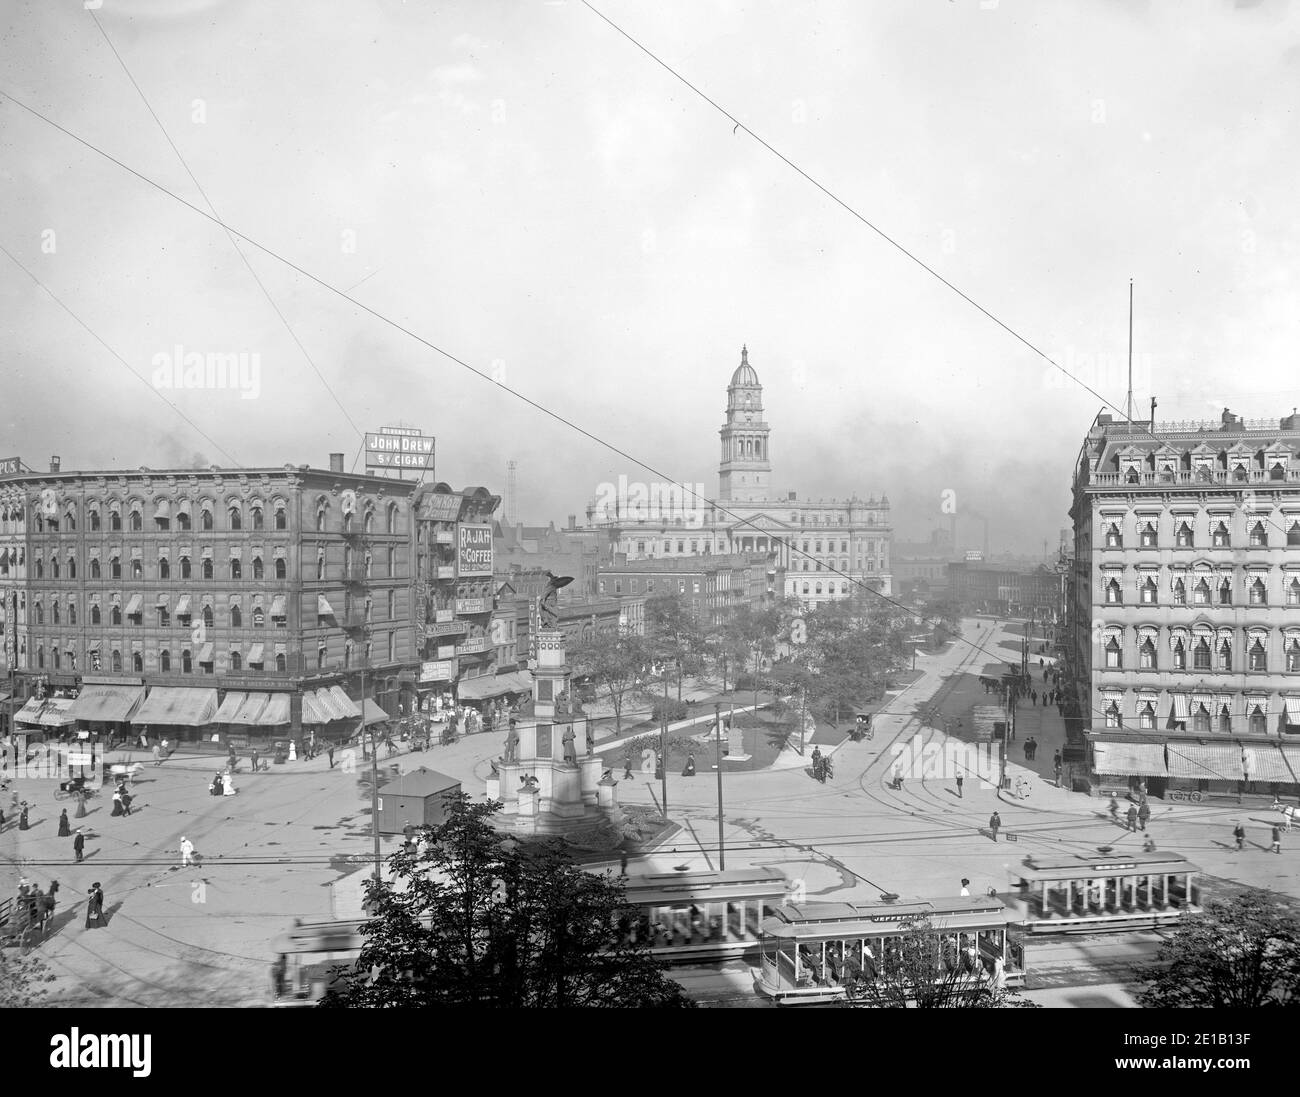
(745, 474)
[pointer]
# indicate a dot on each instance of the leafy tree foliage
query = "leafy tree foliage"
(673, 630)
(1243, 951)
(853, 648)
(617, 667)
(483, 921)
(22, 981)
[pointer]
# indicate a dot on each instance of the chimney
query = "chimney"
(573, 521)
(336, 462)
(792, 497)
(55, 462)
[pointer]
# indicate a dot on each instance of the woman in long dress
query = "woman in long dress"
(95, 907)
(227, 784)
(65, 828)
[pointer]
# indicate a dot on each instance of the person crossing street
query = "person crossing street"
(995, 823)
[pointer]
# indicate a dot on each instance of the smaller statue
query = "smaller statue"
(591, 742)
(512, 744)
(570, 752)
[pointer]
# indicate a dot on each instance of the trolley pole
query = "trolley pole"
(717, 734)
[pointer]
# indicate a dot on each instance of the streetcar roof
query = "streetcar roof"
(853, 929)
(833, 920)
(705, 886)
(1112, 864)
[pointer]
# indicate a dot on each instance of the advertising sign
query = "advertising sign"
(440, 507)
(472, 605)
(446, 628)
(474, 550)
(438, 671)
(391, 449)
(11, 466)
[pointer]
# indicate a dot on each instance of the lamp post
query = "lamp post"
(717, 738)
(663, 746)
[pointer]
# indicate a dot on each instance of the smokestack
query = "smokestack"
(573, 521)
(55, 462)
(336, 462)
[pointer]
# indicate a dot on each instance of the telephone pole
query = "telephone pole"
(717, 737)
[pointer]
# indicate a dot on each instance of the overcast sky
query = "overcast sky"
(520, 185)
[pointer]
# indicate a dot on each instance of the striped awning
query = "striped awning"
(344, 703)
(205, 654)
(112, 704)
(254, 709)
(1129, 759)
(1180, 706)
(1205, 699)
(277, 606)
(1266, 763)
(374, 714)
(176, 705)
(52, 713)
(276, 711)
(1206, 761)
(183, 606)
(1291, 710)
(255, 653)
(133, 606)
(323, 608)
(230, 707)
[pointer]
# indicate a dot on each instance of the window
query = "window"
(117, 661)
(1225, 655)
(1180, 656)
(1149, 590)
(818, 588)
(1225, 593)
(40, 568)
(164, 617)
(137, 662)
(1147, 536)
(281, 663)
(369, 524)
(1183, 537)
(1258, 593)
(54, 568)
(257, 567)
(95, 615)
(281, 518)
(281, 568)
(322, 657)
(258, 520)
(183, 520)
(164, 661)
(1113, 538)
(1258, 657)
(392, 605)
(1147, 716)
(805, 588)
(1113, 593)
(236, 661)
(137, 569)
(1293, 592)
(207, 567)
(94, 568)
(161, 523)
(1201, 720)
(1258, 725)
(259, 617)
(392, 563)
(115, 522)
(236, 568)
(164, 569)
(1201, 593)
(236, 617)
(1180, 592)
(115, 615)
(1147, 655)
(187, 662)
(1258, 538)
(320, 519)
(40, 614)
(185, 567)
(1201, 655)
(208, 616)
(1293, 534)
(1293, 657)
(1225, 721)
(1113, 718)
(1220, 536)
(94, 520)
(236, 518)
(137, 520)
(392, 518)
(1114, 657)
(206, 517)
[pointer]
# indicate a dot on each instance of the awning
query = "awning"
(112, 704)
(133, 606)
(254, 709)
(314, 710)
(276, 711)
(183, 606)
(483, 687)
(1209, 762)
(52, 713)
(162, 599)
(1291, 710)
(374, 714)
(1205, 699)
(255, 653)
(163, 510)
(1130, 759)
(323, 706)
(323, 608)
(229, 707)
(1180, 706)
(176, 705)
(344, 703)
(277, 606)
(205, 654)
(1266, 763)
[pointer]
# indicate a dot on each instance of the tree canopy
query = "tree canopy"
(1243, 951)
(617, 667)
(484, 921)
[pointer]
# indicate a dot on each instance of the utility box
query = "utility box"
(420, 798)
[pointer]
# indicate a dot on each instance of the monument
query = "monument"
(543, 784)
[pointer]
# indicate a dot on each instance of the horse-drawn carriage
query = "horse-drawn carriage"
(26, 918)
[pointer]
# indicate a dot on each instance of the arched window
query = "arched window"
(370, 563)
(54, 612)
(1147, 716)
(1225, 592)
(1149, 590)
(369, 524)
(1113, 593)
(95, 615)
(1258, 592)
(259, 521)
(1147, 655)
(1225, 654)
(115, 615)
(236, 517)
(236, 617)
(320, 518)
(1113, 538)
(347, 525)
(40, 613)
(164, 568)
(236, 568)
(1258, 657)
(164, 661)
(54, 567)
(1201, 655)
(805, 588)
(40, 568)
(137, 570)
(1258, 538)
(1293, 592)
(1225, 721)
(322, 657)
(205, 517)
(320, 564)
(1114, 656)
(185, 567)
(259, 617)
(137, 519)
(1180, 592)
(1147, 535)
(281, 663)
(1201, 593)
(137, 662)
(1220, 536)
(1180, 655)
(1293, 656)
(392, 517)
(1258, 725)
(117, 661)
(1201, 719)
(207, 567)
(281, 518)
(94, 568)
(347, 654)
(1183, 537)
(819, 588)
(236, 661)
(281, 569)
(1293, 534)
(1113, 717)
(257, 567)
(114, 520)
(208, 616)
(94, 520)
(183, 519)
(187, 662)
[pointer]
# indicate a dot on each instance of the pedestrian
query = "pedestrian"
(65, 829)
(187, 852)
(233, 759)
(95, 907)
(79, 845)
(81, 804)
(1144, 813)
(995, 821)
(1277, 839)
(330, 751)
(622, 863)
(253, 755)
(117, 802)
(1132, 816)
(896, 776)
(965, 887)
(1239, 833)
(960, 781)
(22, 817)
(157, 754)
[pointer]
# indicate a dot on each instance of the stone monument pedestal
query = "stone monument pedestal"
(735, 745)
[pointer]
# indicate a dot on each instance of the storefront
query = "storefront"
(329, 714)
(252, 719)
(105, 709)
(176, 713)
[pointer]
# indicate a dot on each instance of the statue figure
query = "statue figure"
(591, 741)
(570, 753)
(512, 744)
(550, 615)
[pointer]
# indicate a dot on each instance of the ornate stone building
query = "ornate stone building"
(1185, 603)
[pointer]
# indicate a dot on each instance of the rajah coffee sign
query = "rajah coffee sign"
(474, 550)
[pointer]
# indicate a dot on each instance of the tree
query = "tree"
(672, 630)
(487, 921)
(853, 648)
(1243, 951)
(928, 971)
(22, 980)
(616, 666)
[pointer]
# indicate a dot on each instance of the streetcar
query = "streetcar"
(821, 953)
(1104, 891)
(685, 917)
